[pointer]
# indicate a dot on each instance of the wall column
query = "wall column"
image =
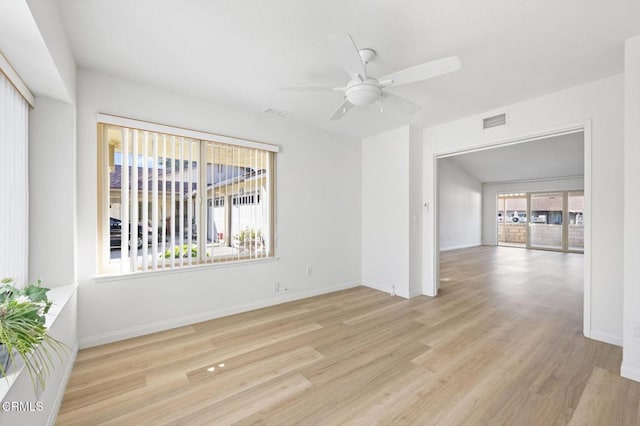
(631, 309)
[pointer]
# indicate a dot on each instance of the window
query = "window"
(172, 197)
(14, 215)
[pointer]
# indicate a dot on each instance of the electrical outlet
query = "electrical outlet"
(278, 288)
(308, 271)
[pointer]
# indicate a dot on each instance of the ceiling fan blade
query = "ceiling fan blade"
(424, 71)
(347, 52)
(310, 89)
(399, 103)
(342, 110)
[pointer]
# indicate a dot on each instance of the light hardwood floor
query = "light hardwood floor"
(501, 344)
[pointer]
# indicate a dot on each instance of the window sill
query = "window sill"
(182, 269)
(59, 296)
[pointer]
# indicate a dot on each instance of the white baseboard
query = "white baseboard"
(415, 293)
(606, 338)
(386, 289)
(114, 336)
(630, 373)
(378, 287)
(460, 247)
(63, 386)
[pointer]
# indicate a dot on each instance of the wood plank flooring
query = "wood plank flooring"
(501, 344)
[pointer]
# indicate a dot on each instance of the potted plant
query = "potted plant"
(181, 251)
(23, 330)
(184, 250)
(249, 239)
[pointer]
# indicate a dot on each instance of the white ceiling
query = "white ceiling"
(22, 43)
(554, 157)
(238, 52)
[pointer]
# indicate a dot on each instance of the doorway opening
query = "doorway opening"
(527, 174)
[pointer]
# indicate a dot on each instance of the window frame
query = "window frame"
(103, 121)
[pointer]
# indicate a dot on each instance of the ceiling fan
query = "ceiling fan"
(364, 89)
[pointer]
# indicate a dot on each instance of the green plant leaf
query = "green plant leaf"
(23, 331)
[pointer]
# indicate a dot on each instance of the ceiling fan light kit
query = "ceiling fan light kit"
(363, 90)
(361, 93)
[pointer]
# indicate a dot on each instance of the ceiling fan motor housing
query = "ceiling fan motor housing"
(362, 93)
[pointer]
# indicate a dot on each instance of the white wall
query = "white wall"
(491, 190)
(52, 167)
(318, 217)
(416, 259)
(602, 103)
(39, 50)
(631, 350)
(48, 68)
(459, 207)
(45, 13)
(386, 211)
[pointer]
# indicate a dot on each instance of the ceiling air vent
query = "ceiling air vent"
(277, 112)
(494, 121)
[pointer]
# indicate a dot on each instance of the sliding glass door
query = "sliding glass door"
(557, 221)
(547, 224)
(512, 220)
(575, 234)
(547, 221)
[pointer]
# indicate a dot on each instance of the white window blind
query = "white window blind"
(14, 196)
(170, 200)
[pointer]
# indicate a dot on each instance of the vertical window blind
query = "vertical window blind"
(171, 200)
(14, 187)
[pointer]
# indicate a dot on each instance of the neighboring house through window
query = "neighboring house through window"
(173, 197)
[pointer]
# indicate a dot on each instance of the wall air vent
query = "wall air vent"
(277, 112)
(494, 121)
